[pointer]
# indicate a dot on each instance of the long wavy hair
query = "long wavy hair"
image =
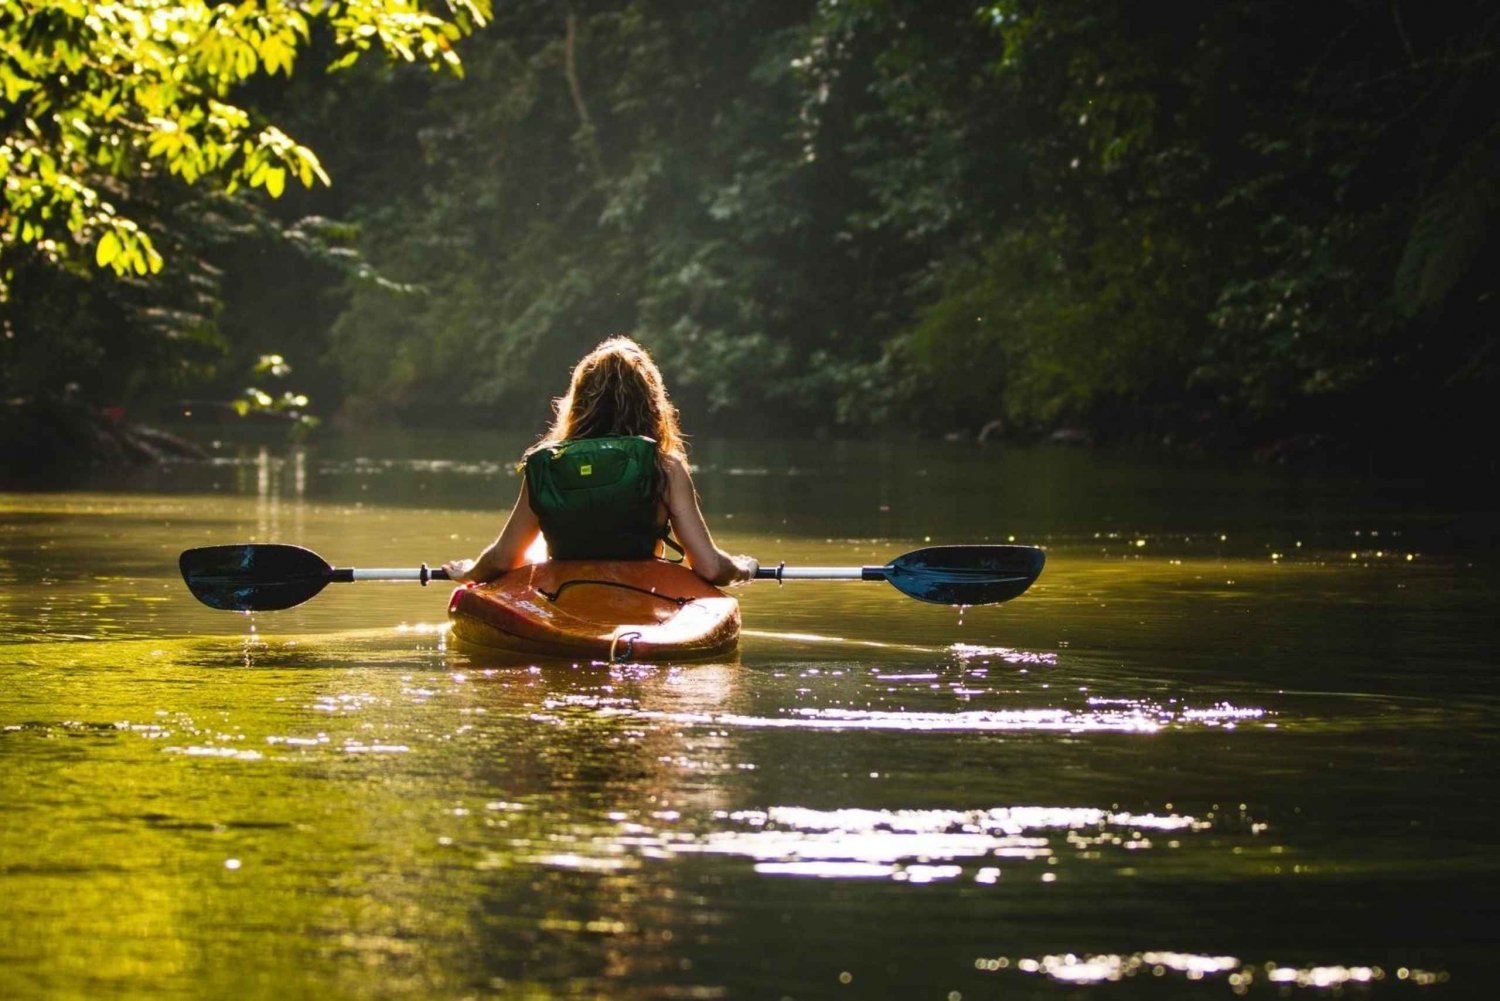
(616, 389)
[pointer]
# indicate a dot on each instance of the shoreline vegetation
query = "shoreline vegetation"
(49, 440)
(55, 441)
(1228, 233)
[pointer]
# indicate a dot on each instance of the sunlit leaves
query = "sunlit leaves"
(272, 364)
(289, 405)
(404, 29)
(101, 96)
(126, 249)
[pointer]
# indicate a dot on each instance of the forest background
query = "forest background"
(1240, 226)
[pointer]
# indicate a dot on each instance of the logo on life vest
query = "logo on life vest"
(585, 470)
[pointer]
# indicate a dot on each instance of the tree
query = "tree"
(624, 168)
(1245, 223)
(103, 99)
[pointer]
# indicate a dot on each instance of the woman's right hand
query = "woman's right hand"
(458, 571)
(745, 567)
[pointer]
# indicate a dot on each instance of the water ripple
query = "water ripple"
(1102, 715)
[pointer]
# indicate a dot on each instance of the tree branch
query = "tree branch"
(1411, 53)
(585, 123)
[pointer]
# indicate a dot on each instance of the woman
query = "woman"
(610, 479)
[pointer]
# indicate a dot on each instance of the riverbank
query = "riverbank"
(47, 441)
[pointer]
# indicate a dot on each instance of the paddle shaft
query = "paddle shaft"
(784, 572)
(345, 575)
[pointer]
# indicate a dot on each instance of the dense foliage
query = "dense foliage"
(1251, 223)
(112, 112)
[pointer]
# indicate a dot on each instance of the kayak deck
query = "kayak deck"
(638, 610)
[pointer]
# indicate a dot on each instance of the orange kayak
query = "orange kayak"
(636, 610)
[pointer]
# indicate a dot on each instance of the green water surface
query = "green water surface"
(1239, 739)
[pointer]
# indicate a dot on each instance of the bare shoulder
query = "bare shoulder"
(680, 489)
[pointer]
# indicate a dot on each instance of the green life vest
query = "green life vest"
(597, 498)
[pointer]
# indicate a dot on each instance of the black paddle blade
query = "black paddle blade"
(253, 578)
(966, 575)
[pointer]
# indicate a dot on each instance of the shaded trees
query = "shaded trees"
(621, 168)
(1255, 221)
(1231, 213)
(1229, 226)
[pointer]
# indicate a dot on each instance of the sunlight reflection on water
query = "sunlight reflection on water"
(1118, 715)
(1240, 976)
(900, 845)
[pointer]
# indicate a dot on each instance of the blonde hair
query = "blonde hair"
(616, 389)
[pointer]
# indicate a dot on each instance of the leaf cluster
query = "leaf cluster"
(103, 96)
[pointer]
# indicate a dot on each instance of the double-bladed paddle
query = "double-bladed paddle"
(263, 577)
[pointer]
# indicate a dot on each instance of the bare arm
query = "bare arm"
(508, 551)
(707, 560)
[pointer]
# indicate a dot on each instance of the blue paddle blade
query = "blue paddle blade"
(253, 577)
(965, 575)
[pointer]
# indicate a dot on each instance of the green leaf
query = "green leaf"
(107, 250)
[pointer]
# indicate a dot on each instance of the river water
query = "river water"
(1240, 739)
